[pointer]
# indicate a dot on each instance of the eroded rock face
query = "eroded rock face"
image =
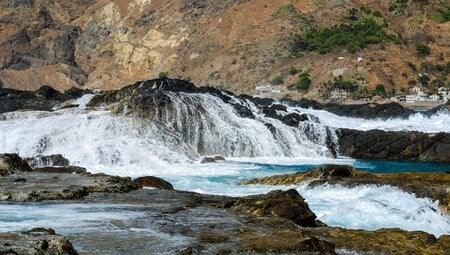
(377, 144)
(36, 241)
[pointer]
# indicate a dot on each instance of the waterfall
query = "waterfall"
(191, 126)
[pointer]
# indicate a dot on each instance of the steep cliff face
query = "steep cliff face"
(233, 44)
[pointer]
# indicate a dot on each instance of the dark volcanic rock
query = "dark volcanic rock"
(146, 97)
(370, 111)
(155, 182)
(43, 99)
(60, 170)
(377, 144)
(12, 163)
(48, 160)
(23, 184)
(35, 241)
(367, 111)
(285, 204)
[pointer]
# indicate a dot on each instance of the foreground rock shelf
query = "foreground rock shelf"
(35, 241)
(177, 222)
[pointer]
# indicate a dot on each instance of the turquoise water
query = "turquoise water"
(224, 178)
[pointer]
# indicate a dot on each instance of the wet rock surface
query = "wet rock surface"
(21, 183)
(43, 99)
(12, 163)
(377, 144)
(47, 160)
(284, 204)
(35, 241)
(168, 221)
(432, 185)
(366, 111)
(155, 182)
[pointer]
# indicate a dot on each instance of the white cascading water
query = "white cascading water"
(197, 125)
(171, 142)
(438, 122)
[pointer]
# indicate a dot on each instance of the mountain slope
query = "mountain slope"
(233, 44)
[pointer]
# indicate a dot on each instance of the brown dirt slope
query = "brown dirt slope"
(233, 44)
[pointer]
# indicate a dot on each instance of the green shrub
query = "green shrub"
(380, 90)
(285, 8)
(398, 6)
(412, 66)
(353, 14)
(422, 50)
(163, 75)
(377, 14)
(354, 37)
(304, 82)
(277, 80)
(424, 80)
(340, 83)
(293, 70)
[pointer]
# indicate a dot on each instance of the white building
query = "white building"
(338, 95)
(267, 89)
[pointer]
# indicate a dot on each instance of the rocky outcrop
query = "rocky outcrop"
(284, 204)
(384, 241)
(12, 163)
(377, 144)
(214, 159)
(21, 183)
(43, 99)
(155, 182)
(366, 111)
(47, 160)
(431, 185)
(369, 111)
(36, 241)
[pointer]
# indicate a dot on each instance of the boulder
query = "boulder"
(12, 163)
(155, 182)
(36, 241)
(285, 204)
(48, 160)
(208, 160)
(219, 158)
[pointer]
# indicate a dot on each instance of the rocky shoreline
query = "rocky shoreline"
(279, 222)
(426, 185)
(149, 99)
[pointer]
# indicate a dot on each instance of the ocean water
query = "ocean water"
(172, 144)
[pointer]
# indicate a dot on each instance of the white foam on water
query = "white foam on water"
(66, 218)
(171, 144)
(438, 122)
(371, 207)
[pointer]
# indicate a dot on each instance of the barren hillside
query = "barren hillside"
(232, 44)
